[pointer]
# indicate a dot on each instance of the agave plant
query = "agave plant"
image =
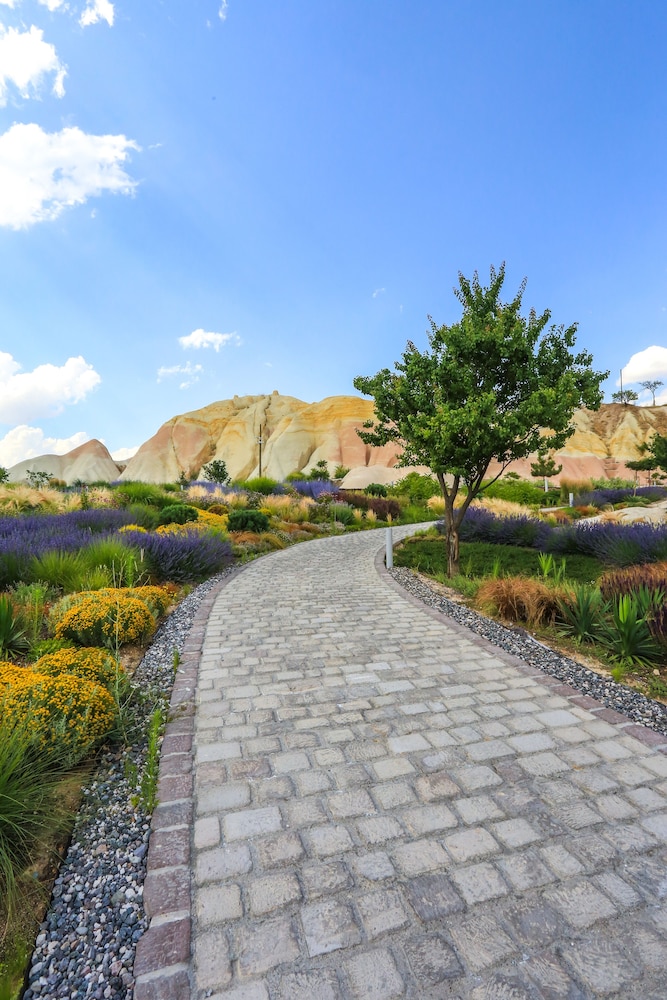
(14, 641)
(628, 637)
(582, 613)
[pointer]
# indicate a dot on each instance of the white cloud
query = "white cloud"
(124, 454)
(43, 392)
(222, 13)
(378, 291)
(646, 365)
(200, 338)
(97, 10)
(43, 173)
(25, 59)
(192, 372)
(25, 442)
(51, 4)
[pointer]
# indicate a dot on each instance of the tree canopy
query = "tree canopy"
(494, 385)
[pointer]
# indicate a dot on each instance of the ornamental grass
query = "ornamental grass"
(67, 713)
(100, 620)
(520, 599)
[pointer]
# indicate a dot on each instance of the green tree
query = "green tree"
(38, 479)
(4, 475)
(624, 396)
(320, 470)
(489, 388)
(652, 385)
(544, 468)
(216, 472)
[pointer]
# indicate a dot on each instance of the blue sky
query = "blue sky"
(201, 199)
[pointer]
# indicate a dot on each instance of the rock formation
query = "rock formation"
(296, 435)
(90, 462)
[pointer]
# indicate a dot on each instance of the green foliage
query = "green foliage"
(177, 513)
(341, 471)
(341, 512)
(320, 470)
(260, 484)
(427, 553)
(30, 803)
(216, 472)
(247, 520)
(624, 396)
(113, 556)
(148, 786)
(582, 613)
(135, 492)
(550, 569)
(515, 490)
(63, 571)
(144, 515)
(544, 467)
(495, 385)
(376, 490)
(417, 488)
(14, 641)
(656, 450)
(4, 475)
(38, 480)
(627, 636)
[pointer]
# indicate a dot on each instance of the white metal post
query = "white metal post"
(389, 548)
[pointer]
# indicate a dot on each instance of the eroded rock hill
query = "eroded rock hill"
(296, 435)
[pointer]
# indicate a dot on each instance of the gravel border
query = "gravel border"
(519, 643)
(86, 944)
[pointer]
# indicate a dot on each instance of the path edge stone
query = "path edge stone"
(162, 960)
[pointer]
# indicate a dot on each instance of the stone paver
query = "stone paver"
(387, 806)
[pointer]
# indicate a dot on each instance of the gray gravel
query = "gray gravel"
(622, 699)
(86, 944)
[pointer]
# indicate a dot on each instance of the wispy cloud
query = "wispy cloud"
(191, 371)
(97, 10)
(43, 392)
(25, 442)
(378, 291)
(43, 173)
(25, 60)
(222, 12)
(199, 339)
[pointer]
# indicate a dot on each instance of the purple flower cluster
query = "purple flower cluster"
(21, 538)
(313, 488)
(613, 544)
(182, 557)
(598, 498)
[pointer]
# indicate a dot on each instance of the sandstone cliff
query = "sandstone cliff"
(296, 435)
(89, 462)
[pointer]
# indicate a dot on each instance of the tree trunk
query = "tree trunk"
(452, 540)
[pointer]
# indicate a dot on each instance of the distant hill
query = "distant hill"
(296, 435)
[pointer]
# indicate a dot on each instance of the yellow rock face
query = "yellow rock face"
(295, 436)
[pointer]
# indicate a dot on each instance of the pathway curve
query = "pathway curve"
(386, 805)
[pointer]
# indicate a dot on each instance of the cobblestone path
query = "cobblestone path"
(385, 805)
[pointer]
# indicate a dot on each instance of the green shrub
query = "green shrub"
(247, 520)
(376, 490)
(14, 641)
(144, 493)
(260, 484)
(342, 513)
(416, 488)
(113, 555)
(144, 515)
(178, 513)
(62, 570)
(516, 490)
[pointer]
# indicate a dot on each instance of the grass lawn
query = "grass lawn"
(427, 554)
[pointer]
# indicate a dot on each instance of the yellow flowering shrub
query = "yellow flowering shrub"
(89, 662)
(213, 520)
(156, 599)
(131, 527)
(67, 712)
(102, 620)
